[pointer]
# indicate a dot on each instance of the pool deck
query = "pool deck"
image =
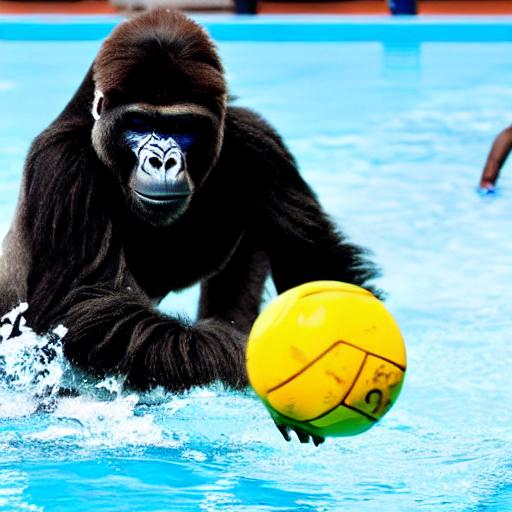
(351, 7)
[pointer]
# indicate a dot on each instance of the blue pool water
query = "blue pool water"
(390, 122)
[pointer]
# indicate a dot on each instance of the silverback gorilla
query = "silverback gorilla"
(149, 182)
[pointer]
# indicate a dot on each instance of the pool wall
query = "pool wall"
(276, 28)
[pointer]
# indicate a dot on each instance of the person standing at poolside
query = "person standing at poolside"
(499, 152)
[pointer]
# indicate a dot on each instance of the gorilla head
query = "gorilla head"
(159, 110)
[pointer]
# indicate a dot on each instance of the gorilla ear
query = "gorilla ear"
(97, 104)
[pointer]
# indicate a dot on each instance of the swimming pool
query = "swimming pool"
(390, 121)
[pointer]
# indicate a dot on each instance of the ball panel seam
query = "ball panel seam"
(317, 358)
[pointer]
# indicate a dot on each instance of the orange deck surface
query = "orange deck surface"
(345, 7)
(380, 7)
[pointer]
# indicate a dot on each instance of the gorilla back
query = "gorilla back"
(146, 183)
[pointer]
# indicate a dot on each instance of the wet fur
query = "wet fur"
(79, 255)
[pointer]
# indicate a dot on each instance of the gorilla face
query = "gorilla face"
(160, 180)
(160, 154)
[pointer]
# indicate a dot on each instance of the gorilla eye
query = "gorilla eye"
(138, 124)
(184, 140)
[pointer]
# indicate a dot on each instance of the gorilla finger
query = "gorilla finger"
(317, 440)
(285, 431)
(303, 436)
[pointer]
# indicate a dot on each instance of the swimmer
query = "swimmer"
(499, 152)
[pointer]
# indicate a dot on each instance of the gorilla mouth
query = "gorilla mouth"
(162, 199)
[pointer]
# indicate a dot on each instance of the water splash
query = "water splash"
(36, 379)
(31, 366)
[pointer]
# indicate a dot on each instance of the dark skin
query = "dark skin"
(498, 154)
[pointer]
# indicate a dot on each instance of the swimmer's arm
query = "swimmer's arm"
(498, 154)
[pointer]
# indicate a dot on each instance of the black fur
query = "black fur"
(81, 254)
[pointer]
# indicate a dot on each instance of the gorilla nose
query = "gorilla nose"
(155, 162)
(161, 174)
(170, 164)
(161, 178)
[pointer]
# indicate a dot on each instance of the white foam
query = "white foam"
(31, 366)
(33, 370)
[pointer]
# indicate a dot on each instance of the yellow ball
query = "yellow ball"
(326, 357)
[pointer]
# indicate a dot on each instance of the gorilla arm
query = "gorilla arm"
(300, 241)
(15, 262)
(120, 332)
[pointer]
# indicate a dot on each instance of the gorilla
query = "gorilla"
(149, 182)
